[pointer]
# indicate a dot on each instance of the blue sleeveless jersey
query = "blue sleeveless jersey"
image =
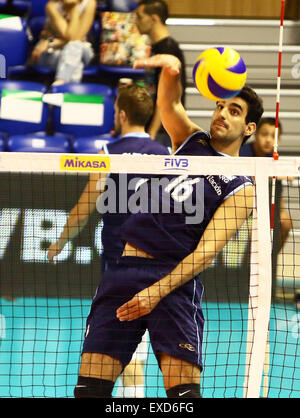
(168, 236)
(135, 143)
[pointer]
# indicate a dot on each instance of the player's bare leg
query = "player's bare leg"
(100, 366)
(286, 225)
(181, 378)
(97, 376)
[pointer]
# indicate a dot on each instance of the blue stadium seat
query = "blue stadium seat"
(91, 145)
(120, 71)
(122, 5)
(23, 5)
(16, 127)
(33, 7)
(85, 89)
(36, 25)
(2, 143)
(14, 44)
(102, 5)
(38, 142)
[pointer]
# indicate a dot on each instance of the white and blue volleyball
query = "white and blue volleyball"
(220, 73)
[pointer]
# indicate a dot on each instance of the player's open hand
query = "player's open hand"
(141, 304)
(169, 62)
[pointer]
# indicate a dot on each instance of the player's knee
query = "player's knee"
(188, 390)
(89, 387)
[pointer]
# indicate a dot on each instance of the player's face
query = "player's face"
(265, 139)
(143, 21)
(229, 120)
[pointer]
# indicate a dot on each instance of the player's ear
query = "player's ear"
(122, 116)
(250, 129)
(155, 18)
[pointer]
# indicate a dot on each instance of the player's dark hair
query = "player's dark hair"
(255, 106)
(136, 102)
(156, 7)
(269, 121)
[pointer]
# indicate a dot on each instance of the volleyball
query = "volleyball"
(219, 73)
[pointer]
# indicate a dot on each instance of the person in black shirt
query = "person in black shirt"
(151, 20)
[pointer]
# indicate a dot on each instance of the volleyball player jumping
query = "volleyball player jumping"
(156, 283)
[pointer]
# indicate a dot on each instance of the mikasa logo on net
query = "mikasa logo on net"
(68, 163)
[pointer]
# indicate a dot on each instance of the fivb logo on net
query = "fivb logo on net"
(2, 66)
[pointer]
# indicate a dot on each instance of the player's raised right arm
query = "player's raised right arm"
(172, 112)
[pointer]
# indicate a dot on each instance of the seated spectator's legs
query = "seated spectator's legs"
(68, 62)
(74, 56)
(49, 59)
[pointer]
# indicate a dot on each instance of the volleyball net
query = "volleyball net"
(252, 321)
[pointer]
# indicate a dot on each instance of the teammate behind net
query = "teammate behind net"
(156, 283)
(132, 109)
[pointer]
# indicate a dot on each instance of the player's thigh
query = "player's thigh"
(100, 366)
(176, 325)
(176, 371)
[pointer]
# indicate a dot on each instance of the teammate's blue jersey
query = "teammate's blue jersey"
(247, 150)
(169, 236)
(135, 143)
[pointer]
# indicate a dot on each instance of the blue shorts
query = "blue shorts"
(175, 326)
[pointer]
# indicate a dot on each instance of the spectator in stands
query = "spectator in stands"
(63, 45)
(263, 146)
(151, 20)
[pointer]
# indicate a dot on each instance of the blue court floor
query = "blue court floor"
(40, 343)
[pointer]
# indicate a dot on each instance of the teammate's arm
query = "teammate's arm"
(226, 221)
(80, 213)
(173, 115)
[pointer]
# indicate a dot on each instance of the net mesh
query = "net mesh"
(284, 319)
(44, 306)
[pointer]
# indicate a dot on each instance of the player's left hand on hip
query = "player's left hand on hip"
(141, 304)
